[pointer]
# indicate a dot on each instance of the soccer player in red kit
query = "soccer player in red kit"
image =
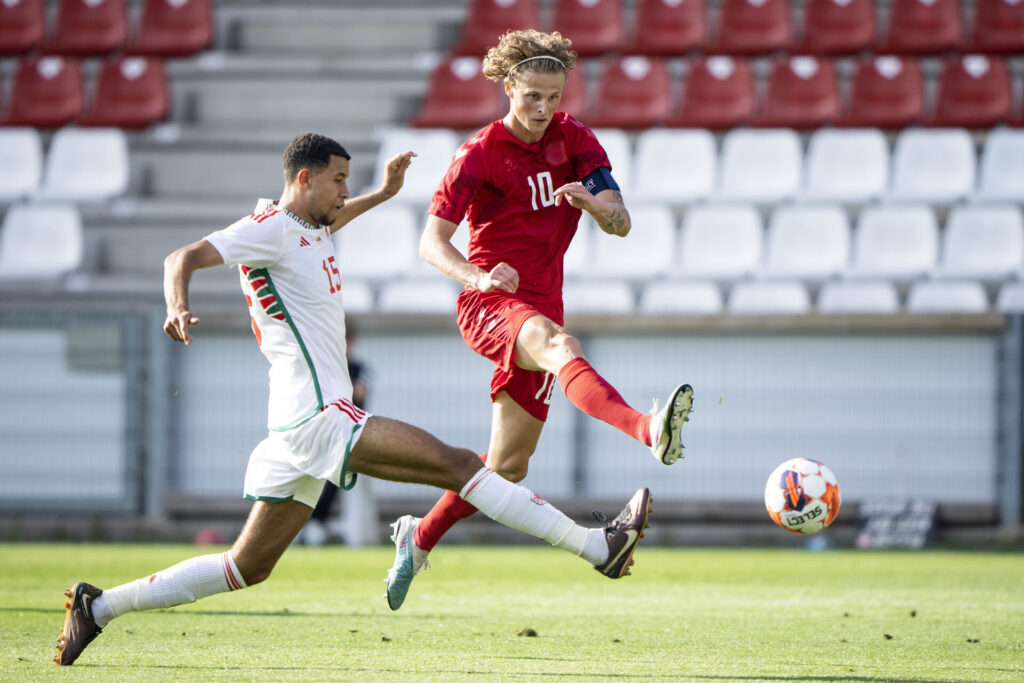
(522, 183)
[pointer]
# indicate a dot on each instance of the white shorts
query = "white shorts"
(293, 464)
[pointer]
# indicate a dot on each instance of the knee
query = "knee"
(564, 347)
(513, 471)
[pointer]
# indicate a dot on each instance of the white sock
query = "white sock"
(519, 508)
(186, 581)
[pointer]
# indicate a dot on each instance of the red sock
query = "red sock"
(589, 392)
(442, 517)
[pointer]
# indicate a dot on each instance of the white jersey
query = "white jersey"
(289, 275)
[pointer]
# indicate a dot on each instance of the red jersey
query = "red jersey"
(505, 189)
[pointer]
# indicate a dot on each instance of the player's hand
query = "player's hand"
(177, 323)
(578, 196)
(502, 276)
(394, 173)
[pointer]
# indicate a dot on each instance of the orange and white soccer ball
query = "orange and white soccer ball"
(802, 496)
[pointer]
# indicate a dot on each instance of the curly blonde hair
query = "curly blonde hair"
(502, 62)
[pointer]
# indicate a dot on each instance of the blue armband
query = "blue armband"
(600, 179)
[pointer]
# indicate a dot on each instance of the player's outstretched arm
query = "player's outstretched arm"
(437, 250)
(606, 207)
(178, 269)
(394, 178)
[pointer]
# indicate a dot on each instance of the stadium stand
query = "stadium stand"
(1001, 172)
(720, 242)
(458, 96)
(22, 26)
(802, 92)
(687, 297)
(432, 295)
(846, 297)
(998, 27)
(973, 92)
(837, 27)
(21, 162)
(88, 28)
(848, 165)
(769, 298)
(658, 173)
(619, 147)
(85, 165)
(487, 20)
(763, 165)
(574, 97)
(886, 91)
(130, 92)
(718, 94)
(598, 297)
(173, 28)
(934, 165)
(434, 147)
(667, 28)
(1010, 298)
(647, 252)
(595, 26)
(379, 244)
(899, 243)
(47, 92)
(982, 242)
(752, 27)
(40, 241)
(806, 242)
(947, 297)
(633, 92)
(923, 27)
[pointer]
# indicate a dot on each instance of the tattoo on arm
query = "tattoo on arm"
(614, 222)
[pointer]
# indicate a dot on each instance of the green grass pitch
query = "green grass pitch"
(685, 615)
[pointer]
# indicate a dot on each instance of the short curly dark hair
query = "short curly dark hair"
(312, 151)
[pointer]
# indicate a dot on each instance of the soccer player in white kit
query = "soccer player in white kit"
(289, 274)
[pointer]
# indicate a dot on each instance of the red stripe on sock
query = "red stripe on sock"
(233, 582)
(592, 394)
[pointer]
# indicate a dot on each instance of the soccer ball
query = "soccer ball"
(802, 496)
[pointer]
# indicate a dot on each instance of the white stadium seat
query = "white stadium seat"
(40, 241)
(983, 242)
(647, 251)
(948, 296)
(858, 297)
(674, 165)
(681, 297)
(1010, 298)
(769, 298)
(720, 242)
(21, 162)
(356, 295)
(578, 255)
(760, 165)
(379, 244)
(597, 297)
(846, 165)
(433, 295)
(1001, 176)
(620, 153)
(809, 242)
(434, 148)
(933, 165)
(895, 243)
(85, 164)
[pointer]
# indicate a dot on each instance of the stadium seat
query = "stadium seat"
(837, 27)
(1010, 298)
(983, 242)
(923, 27)
(22, 25)
(885, 92)
(357, 295)
(934, 165)
(899, 243)
(429, 295)
(686, 297)
(632, 93)
(802, 92)
(88, 28)
(40, 241)
(173, 28)
(1002, 166)
(617, 146)
(718, 94)
(769, 298)
(131, 92)
(720, 242)
(752, 27)
(667, 28)
(594, 26)
(574, 100)
(947, 297)
(46, 93)
(846, 165)
(998, 27)
(647, 251)
(807, 242)
(435, 149)
(487, 20)
(974, 92)
(21, 162)
(674, 165)
(86, 164)
(379, 244)
(597, 297)
(578, 255)
(458, 96)
(760, 165)
(858, 297)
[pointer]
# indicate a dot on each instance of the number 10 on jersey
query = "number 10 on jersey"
(544, 187)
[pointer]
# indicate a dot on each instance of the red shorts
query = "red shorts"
(490, 324)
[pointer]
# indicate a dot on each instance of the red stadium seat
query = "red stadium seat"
(131, 92)
(46, 93)
(633, 92)
(668, 27)
(173, 28)
(458, 96)
(594, 26)
(488, 20)
(998, 26)
(718, 94)
(750, 27)
(885, 92)
(974, 92)
(803, 92)
(838, 27)
(21, 26)
(923, 27)
(574, 97)
(88, 28)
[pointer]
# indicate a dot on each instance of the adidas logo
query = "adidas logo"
(303, 242)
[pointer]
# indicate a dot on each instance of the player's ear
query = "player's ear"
(509, 87)
(302, 178)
